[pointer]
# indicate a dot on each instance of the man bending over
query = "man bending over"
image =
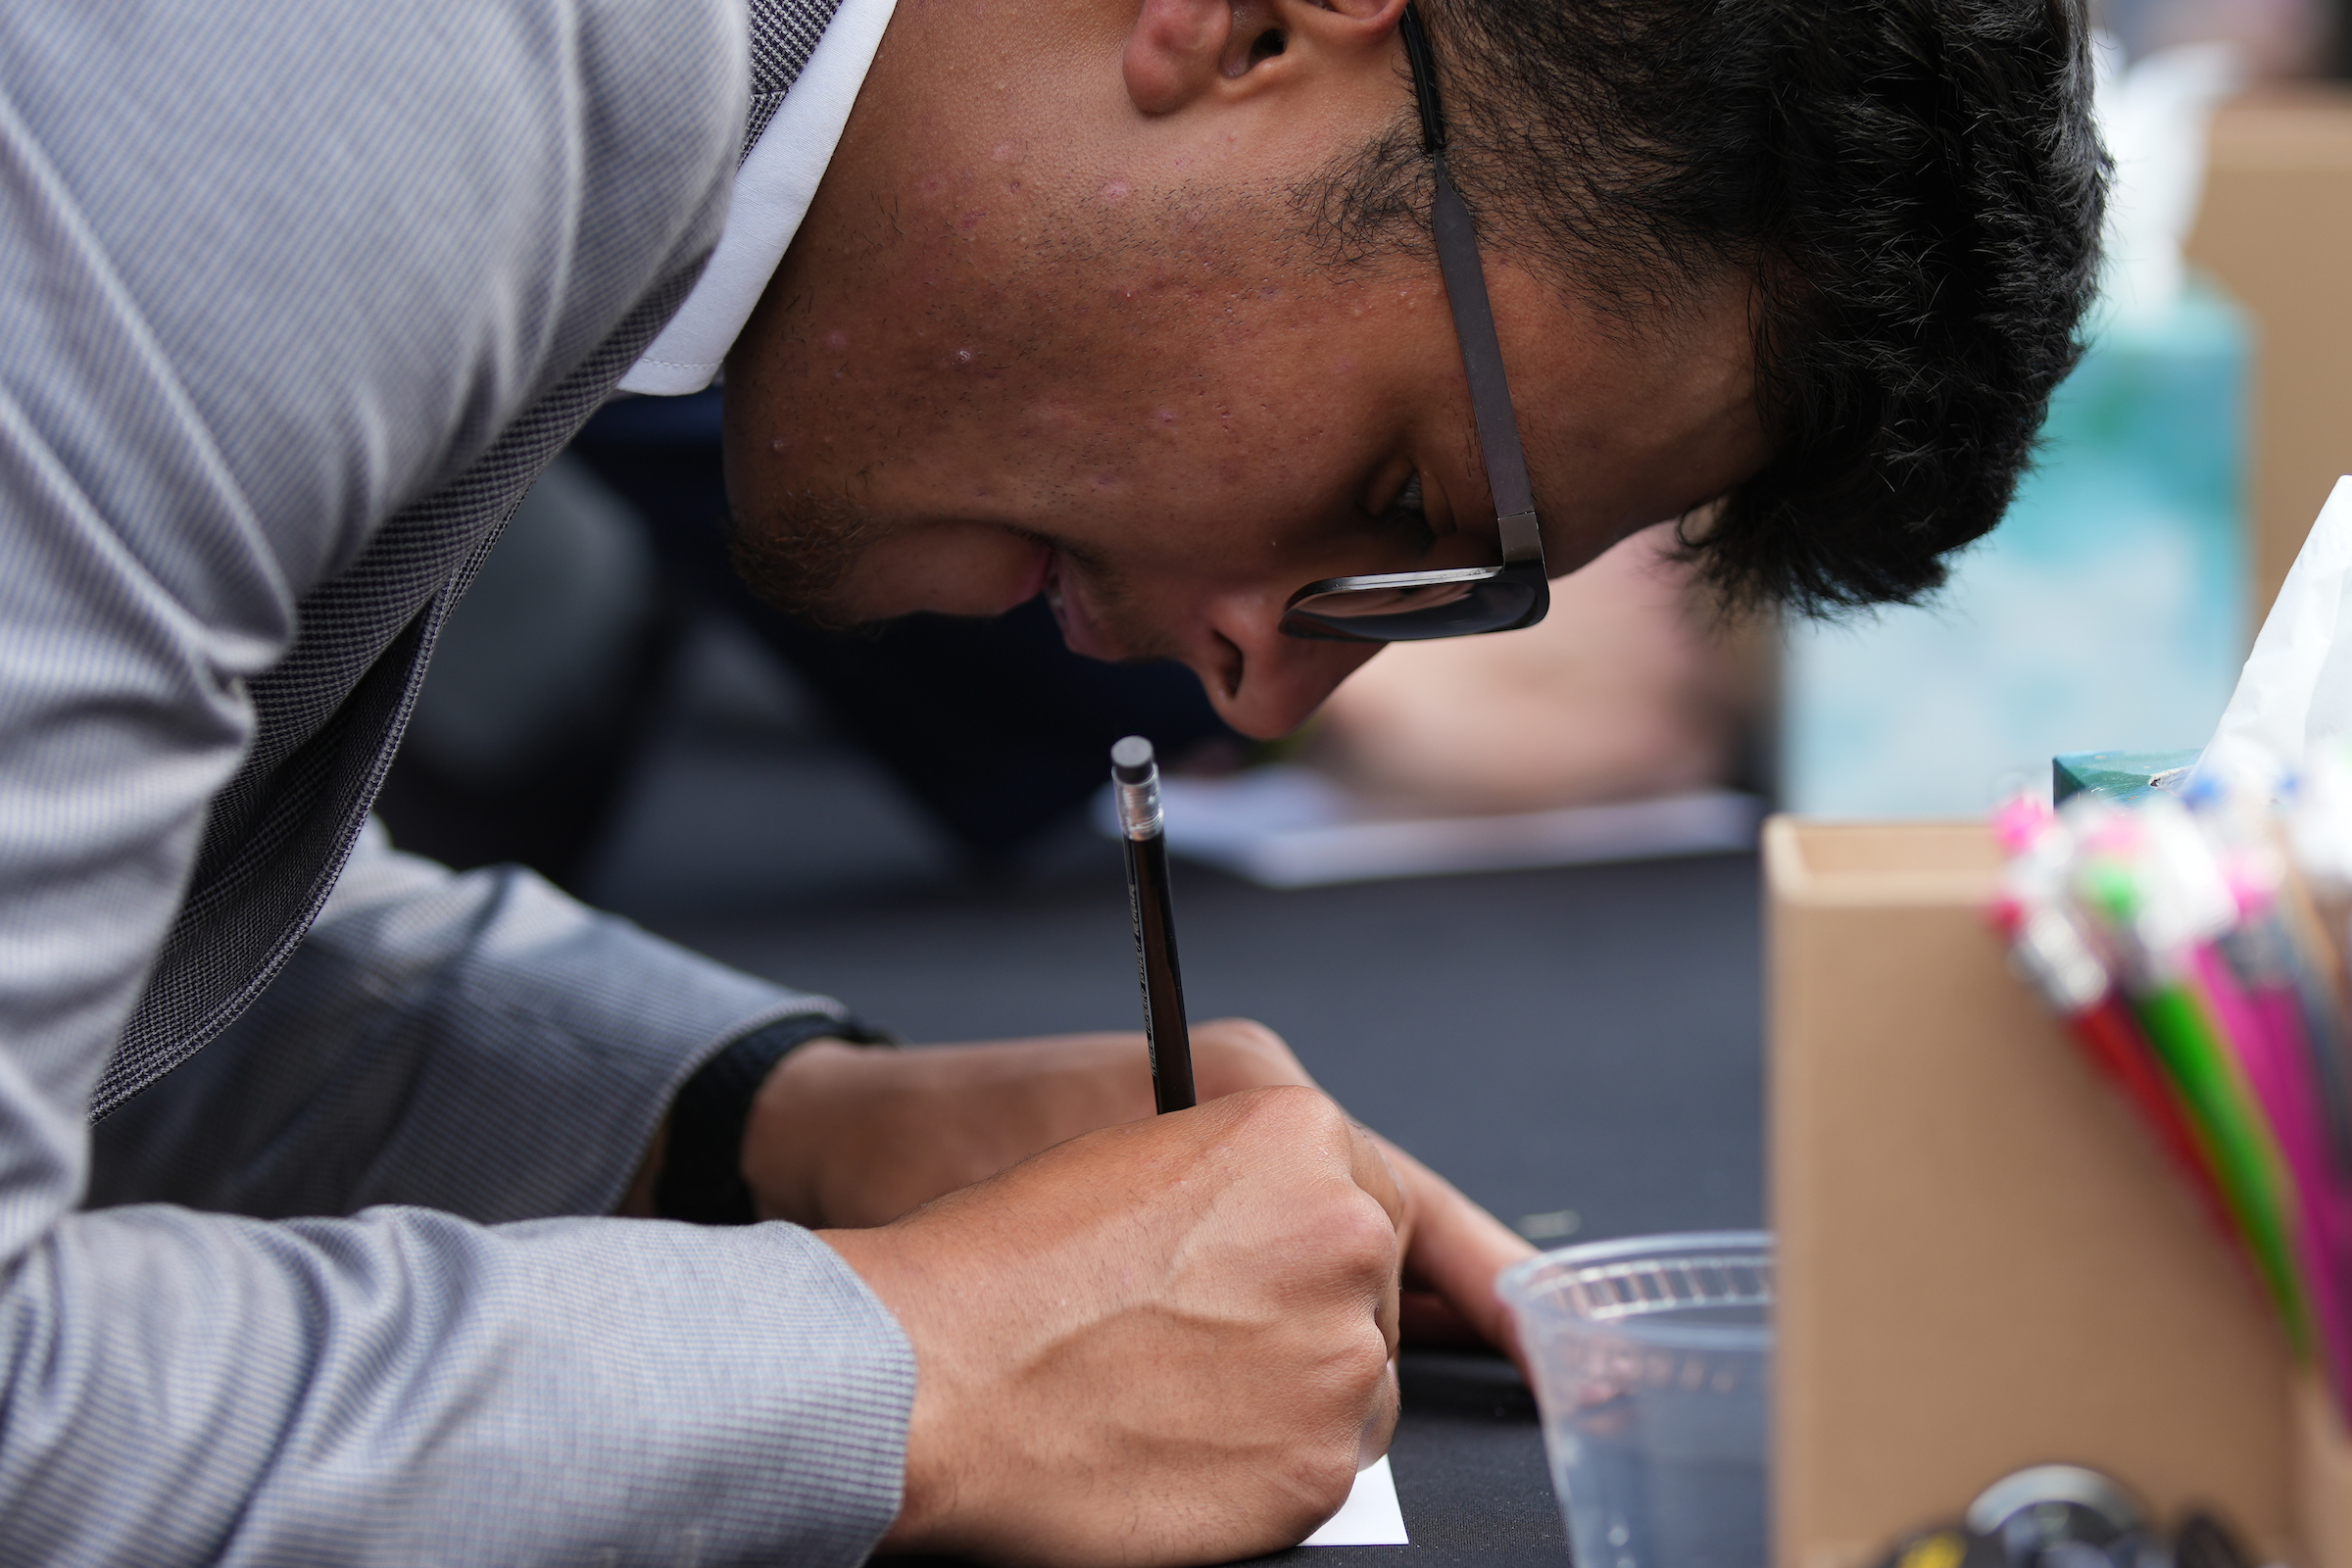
(311, 1152)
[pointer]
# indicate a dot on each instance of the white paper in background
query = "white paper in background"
(1283, 827)
(2296, 688)
(1369, 1517)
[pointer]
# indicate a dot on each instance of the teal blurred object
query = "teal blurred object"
(2119, 776)
(2110, 604)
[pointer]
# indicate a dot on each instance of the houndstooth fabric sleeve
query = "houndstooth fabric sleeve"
(270, 271)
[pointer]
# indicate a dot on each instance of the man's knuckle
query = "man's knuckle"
(1356, 1359)
(1321, 1475)
(1292, 1113)
(1335, 1479)
(1360, 1239)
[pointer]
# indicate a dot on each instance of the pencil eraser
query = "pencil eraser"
(1131, 760)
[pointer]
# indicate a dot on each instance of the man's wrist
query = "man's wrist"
(699, 1176)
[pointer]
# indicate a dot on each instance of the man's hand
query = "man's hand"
(842, 1135)
(1165, 1342)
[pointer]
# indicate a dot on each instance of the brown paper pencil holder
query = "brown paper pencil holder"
(1984, 1262)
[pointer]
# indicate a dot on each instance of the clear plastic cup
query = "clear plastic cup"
(1652, 1361)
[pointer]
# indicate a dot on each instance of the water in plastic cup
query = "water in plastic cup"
(1652, 1360)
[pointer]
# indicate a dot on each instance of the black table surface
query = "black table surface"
(1582, 1040)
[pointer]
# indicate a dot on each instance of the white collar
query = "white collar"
(774, 187)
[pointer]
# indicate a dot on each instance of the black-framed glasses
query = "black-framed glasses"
(1395, 607)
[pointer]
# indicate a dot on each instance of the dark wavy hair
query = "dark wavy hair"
(1914, 186)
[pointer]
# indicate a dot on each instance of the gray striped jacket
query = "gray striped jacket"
(295, 301)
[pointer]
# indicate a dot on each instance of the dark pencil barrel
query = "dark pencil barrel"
(1135, 778)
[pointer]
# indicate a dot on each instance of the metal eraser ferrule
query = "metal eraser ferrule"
(1138, 807)
(1135, 786)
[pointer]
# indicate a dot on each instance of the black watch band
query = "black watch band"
(702, 1170)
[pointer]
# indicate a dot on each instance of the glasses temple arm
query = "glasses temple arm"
(1473, 315)
(1482, 362)
(1425, 80)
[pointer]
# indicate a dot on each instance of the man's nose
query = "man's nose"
(1261, 682)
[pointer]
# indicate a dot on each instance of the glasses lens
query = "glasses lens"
(1416, 611)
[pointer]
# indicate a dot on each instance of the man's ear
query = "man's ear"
(1182, 50)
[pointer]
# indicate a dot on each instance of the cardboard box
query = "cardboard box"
(2276, 228)
(1985, 1263)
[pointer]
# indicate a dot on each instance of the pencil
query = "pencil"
(1135, 784)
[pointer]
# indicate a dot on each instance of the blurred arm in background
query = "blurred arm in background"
(1634, 686)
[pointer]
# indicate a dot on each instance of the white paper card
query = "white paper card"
(1369, 1517)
